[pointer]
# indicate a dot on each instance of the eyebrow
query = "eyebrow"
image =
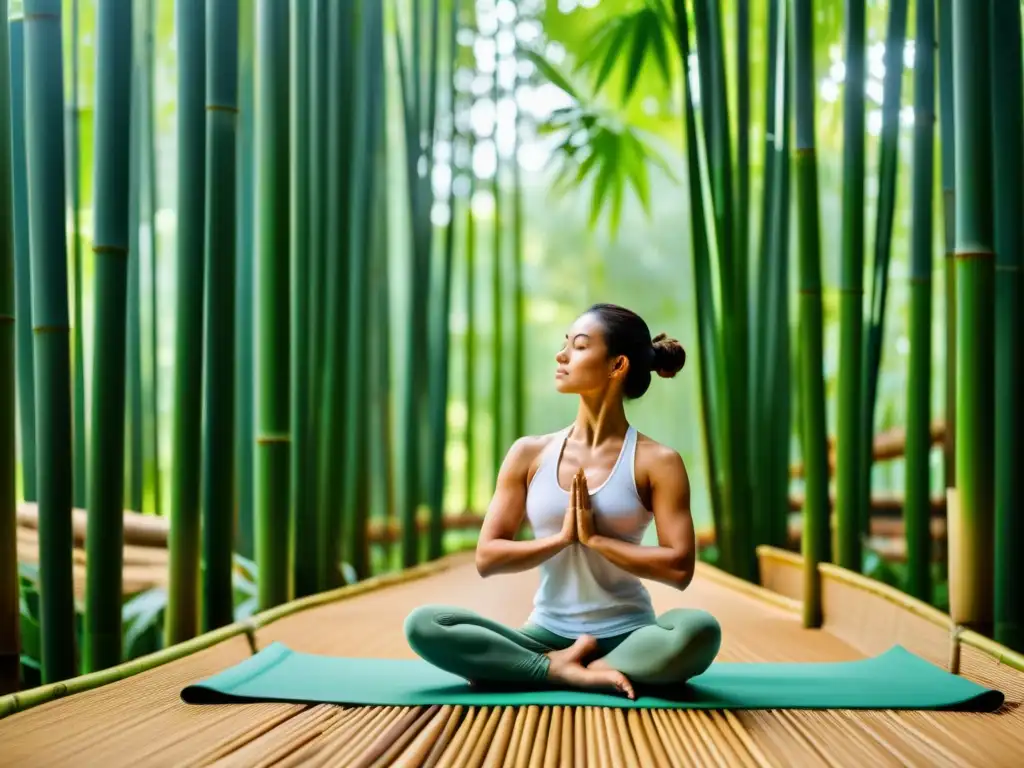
(578, 336)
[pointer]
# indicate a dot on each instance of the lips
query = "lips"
(561, 372)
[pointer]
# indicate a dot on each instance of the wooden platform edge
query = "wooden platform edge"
(959, 635)
(13, 703)
(748, 588)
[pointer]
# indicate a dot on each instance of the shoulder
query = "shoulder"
(659, 463)
(525, 453)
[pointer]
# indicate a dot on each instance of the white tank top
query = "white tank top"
(581, 591)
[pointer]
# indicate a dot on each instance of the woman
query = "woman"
(589, 491)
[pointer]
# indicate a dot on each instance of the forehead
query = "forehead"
(586, 325)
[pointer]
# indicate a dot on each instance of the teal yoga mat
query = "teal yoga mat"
(896, 679)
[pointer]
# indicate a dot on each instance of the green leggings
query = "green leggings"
(682, 644)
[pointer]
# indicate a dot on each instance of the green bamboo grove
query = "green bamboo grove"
(966, 96)
(304, 303)
(302, 343)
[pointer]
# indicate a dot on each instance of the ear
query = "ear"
(620, 366)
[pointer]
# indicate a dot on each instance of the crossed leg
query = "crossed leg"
(682, 644)
(480, 650)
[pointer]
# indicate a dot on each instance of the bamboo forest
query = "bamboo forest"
(283, 283)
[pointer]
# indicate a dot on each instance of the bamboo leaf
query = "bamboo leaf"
(551, 73)
(614, 45)
(637, 54)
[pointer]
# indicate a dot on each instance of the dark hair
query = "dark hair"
(627, 334)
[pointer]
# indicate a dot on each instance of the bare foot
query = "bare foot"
(567, 667)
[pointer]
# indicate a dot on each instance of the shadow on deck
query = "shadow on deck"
(141, 721)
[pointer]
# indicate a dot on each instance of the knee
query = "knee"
(698, 637)
(421, 626)
(426, 626)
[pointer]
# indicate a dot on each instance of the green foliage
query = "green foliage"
(142, 615)
(597, 143)
(643, 32)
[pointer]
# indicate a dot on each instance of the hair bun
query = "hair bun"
(669, 356)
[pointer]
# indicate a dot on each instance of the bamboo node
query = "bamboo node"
(972, 255)
(852, 291)
(222, 108)
(114, 249)
(273, 438)
(6, 318)
(52, 329)
(41, 17)
(1007, 267)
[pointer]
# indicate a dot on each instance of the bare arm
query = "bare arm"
(672, 561)
(497, 551)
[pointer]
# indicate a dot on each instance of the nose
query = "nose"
(561, 357)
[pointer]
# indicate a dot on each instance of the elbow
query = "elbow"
(683, 579)
(484, 563)
(681, 574)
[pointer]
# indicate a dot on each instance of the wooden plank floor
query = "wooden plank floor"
(141, 721)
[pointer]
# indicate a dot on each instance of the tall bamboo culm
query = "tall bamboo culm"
(182, 617)
(812, 385)
(22, 261)
(245, 536)
(105, 532)
(851, 317)
(303, 537)
(272, 290)
(73, 169)
(971, 572)
(218, 490)
(917, 513)
(10, 639)
(1007, 116)
(44, 112)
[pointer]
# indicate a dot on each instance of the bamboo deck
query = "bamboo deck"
(141, 721)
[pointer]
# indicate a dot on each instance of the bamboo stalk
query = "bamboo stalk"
(221, 274)
(105, 532)
(22, 264)
(709, 351)
(816, 528)
(244, 402)
(497, 408)
(918, 504)
(303, 513)
(149, 182)
(470, 367)
(306, 550)
(1008, 175)
(366, 131)
(133, 348)
(10, 637)
(975, 319)
(849, 434)
(442, 331)
(518, 286)
(778, 387)
(947, 132)
(273, 437)
(332, 444)
(73, 168)
(887, 171)
(46, 201)
(182, 615)
(760, 403)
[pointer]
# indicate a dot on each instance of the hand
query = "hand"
(584, 514)
(569, 534)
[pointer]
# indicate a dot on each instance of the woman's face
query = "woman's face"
(582, 362)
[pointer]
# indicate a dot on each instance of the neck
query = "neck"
(599, 417)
